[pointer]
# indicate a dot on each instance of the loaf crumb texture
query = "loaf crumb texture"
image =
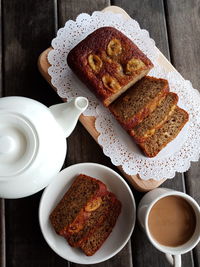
(83, 190)
(101, 233)
(139, 101)
(156, 119)
(95, 219)
(170, 129)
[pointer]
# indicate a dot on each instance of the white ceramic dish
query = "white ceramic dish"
(122, 230)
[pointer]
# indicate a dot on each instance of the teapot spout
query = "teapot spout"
(67, 114)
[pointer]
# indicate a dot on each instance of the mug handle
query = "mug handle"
(174, 260)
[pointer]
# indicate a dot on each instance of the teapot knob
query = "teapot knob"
(6, 144)
(18, 144)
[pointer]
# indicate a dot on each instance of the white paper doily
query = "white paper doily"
(116, 143)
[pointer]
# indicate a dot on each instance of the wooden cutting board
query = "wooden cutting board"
(89, 122)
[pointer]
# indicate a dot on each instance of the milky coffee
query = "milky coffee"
(172, 221)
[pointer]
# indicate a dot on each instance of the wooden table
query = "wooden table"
(27, 29)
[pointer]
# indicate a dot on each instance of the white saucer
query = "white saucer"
(122, 230)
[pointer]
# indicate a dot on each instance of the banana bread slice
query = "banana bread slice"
(156, 119)
(169, 130)
(139, 101)
(94, 241)
(84, 192)
(95, 215)
(108, 62)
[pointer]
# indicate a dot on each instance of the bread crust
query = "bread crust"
(113, 65)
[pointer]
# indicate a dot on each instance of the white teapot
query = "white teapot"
(33, 142)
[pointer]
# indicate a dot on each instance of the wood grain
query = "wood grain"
(151, 16)
(2, 234)
(25, 37)
(185, 49)
(71, 9)
(1, 50)
(2, 202)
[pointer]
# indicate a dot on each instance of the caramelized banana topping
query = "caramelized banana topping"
(94, 204)
(114, 47)
(111, 83)
(95, 62)
(133, 65)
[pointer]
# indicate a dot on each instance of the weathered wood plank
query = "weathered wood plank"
(2, 202)
(184, 34)
(28, 29)
(25, 243)
(184, 24)
(1, 55)
(2, 234)
(71, 9)
(151, 16)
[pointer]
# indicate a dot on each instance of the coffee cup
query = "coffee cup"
(171, 220)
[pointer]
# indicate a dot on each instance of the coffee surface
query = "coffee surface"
(172, 221)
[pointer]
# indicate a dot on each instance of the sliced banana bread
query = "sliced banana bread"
(95, 214)
(139, 101)
(84, 192)
(162, 136)
(156, 119)
(101, 233)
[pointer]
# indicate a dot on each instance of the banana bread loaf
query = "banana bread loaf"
(156, 119)
(108, 62)
(139, 101)
(95, 215)
(94, 241)
(162, 136)
(84, 192)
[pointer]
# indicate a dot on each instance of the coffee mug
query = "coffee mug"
(171, 220)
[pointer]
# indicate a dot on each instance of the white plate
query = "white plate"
(122, 230)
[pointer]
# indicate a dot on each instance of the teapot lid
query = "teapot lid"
(18, 144)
